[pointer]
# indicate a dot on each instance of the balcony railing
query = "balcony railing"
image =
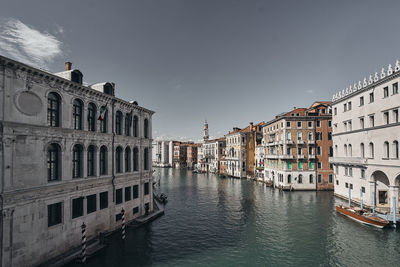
(300, 142)
(348, 160)
(289, 142)
(300, 156)
(286, 156)
(311, 156)
(271, 156)
(311, 142)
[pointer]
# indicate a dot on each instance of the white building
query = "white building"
(62, 166)
(161, 153)
(259, 162)
(366, 135)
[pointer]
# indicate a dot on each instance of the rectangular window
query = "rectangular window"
(329, 123)
(300, 165)
(349, 106)
(54, 214)
(386, 117)
(371, 97)
(319, 151)
(337, 182)
(395, 115)
(318, 123)
(351, 186)
(371, 120)
(311, 165)
(135, 210)
(330, 178)
(351, 172)
(385, 91)
(344, 107)
(299, 124)
(329, 136)
(118, 196)
(135, 191)
(319, 178)
(103, 200)
(363, 189)
(346, 185)
(310, 124)
(361, 101)
(77, 207)
(128, 193)
(288, 124)
(91, 203)
(346, 171)
(395, 88)
(335, 111)
(362, 173)
(289, 165)
(361, 123)
(319, 164)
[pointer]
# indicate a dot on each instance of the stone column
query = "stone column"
(394, 193)
(7, 236)
(372, 194)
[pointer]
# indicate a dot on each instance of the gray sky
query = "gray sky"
(231, 62)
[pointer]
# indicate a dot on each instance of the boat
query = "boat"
(362, 216)
(162, 198)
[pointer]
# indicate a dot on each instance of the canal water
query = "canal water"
(212, 221)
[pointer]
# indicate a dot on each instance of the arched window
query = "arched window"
(289, 179)
(362, 150)
(395, 148)
(103, 160)
(371, 150)
(103, 122)
(146, 128)
(336, 150)
(118, 123)
(92, 117)
(77, 114)
(386, 149)
(91, 160)
(345, 150)
(53, 162)
(300, 179)
(350, 152)
(310, 136)
(146, 158)
(135, 159)
(53, 110)
(311, 179)
(135, 126)
(127, 159)
(128, 124)
(77, 157)
(118, 159)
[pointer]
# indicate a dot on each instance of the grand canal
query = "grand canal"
(213, 221)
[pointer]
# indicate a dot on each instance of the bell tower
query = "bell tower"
(205, 130)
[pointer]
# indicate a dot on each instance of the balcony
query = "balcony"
(348, 160)
(300, 156)
(286, 156)
(289, 142)
(311, 156)
(300, 142)
(311, 142)
(271, 156)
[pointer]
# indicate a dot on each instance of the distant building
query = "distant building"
(161, 153)
(240, 150)
(71, 153)
(191, 153)
(366, 136)
(298, 145)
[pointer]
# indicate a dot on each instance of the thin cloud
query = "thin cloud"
(309, 91)
(26, 44)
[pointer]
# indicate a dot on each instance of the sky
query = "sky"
(230, 62)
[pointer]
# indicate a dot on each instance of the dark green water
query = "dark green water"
(211, 221)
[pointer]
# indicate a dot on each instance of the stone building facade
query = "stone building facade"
(62, 165)
(298, 145)
(366, 136)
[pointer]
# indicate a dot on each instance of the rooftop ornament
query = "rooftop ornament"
(371, 79)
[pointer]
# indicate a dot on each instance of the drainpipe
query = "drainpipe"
(112, 147)
(315, 153)
(2, 84)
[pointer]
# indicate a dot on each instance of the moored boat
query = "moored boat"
(362, 216)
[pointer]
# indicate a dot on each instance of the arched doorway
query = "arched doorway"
(381, 189)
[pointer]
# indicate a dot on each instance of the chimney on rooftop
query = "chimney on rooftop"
(68, 65)
(294, 107)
